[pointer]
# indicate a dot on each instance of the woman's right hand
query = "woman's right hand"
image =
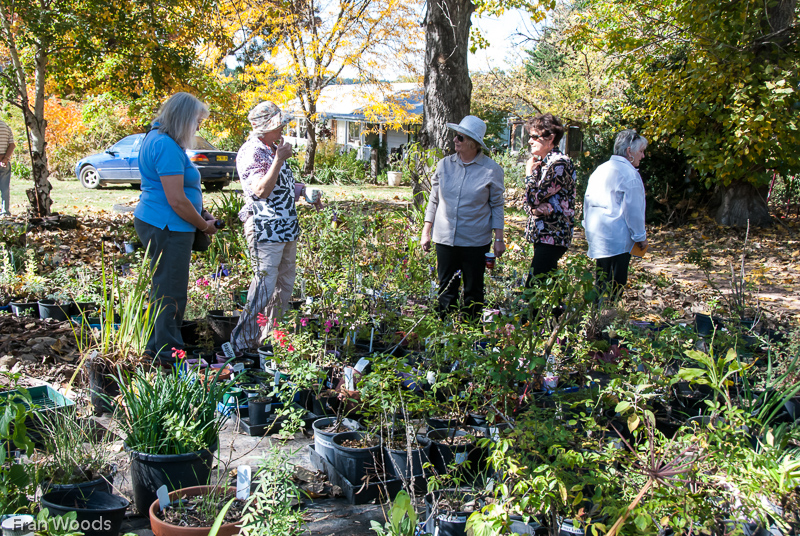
(211, 229)
(532, 163)
(425, 242)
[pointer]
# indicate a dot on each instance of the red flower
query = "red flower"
(290, 348)
(179, 354)
(261, 320)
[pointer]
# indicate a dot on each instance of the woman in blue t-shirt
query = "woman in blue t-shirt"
(169, 212)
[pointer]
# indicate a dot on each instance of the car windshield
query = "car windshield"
(202, 145)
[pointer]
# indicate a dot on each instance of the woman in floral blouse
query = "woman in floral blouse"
(549, 196)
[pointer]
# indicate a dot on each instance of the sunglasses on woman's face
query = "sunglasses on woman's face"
(460, 138)
(537, 137)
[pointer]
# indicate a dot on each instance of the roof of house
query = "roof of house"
(366, 102)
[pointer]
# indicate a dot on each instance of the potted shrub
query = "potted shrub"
(171, 428)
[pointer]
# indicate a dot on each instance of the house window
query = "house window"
(353, 132)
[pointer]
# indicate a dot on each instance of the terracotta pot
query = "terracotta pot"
(160, 528)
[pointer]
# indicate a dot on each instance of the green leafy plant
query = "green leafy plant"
(165, 413)
(402, 518)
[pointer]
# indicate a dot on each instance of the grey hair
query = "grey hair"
(629, 139)
(178, 118)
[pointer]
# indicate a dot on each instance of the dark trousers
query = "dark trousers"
(472, 263)
(170, 286)
(612, 275)
(545, 260)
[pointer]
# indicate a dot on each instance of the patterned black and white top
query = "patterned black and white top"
(275, 218)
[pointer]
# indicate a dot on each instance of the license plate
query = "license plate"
(222, 159)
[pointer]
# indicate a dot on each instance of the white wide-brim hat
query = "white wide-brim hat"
(471, 126)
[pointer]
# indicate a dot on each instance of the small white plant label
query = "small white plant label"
(361, 365)
(243, 482)
(277, 379)
(238, 367)
(163, 497)
(227, 349)
(461, 457)
(348, 379)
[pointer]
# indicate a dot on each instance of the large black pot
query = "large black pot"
(323, 441)
(151, 471)
(355, 463)
(258, 411)
(56, 311)
(105, 484)
(222, 326)
(402, 464)
(98, 514)
(189, 333)
(443, 454)
(103, 387)
(445, 523)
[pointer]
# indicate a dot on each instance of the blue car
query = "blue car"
(120, 164)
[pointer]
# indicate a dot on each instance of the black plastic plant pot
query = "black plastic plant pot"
(97, 514)
(189, 333)
(151, 471)
(103, 387)
(82, 308)
(705, 324)
(444, 522)
(533, 527)
(404, 464)
(444, 455)
(258, 411)
(105, 484)
(51, 309)
(323, 441)
(438, 424)
(222, 325)
(30, 309)
(356, 463)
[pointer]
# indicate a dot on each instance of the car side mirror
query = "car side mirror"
(112, 153)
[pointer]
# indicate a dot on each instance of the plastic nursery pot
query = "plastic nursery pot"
(444, 454)
(51, 309)
(151, 471)
(30, 309)
(355, 463)
(83, 308)
(404, 464)
(533, 527)
(446, 522)
(258, 411)
(323, 441)
(222, 358)
(162, 528)
(435, 423)
(222, 325)
(705, 324)
(235, 396)
(102, 384)
(105, 484)
(98, 514)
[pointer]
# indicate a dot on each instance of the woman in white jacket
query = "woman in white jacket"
(613, 212)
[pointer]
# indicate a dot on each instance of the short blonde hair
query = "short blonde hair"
(178, 118)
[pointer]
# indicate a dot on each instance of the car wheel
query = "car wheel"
(89, 177)
(214, 186)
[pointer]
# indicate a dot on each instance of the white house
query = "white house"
(358, 116)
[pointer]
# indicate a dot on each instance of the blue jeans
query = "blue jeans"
(170, 286)
(5, 190)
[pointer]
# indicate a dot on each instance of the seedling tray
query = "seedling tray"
(46, 401)
(356, 493)
(272, 426)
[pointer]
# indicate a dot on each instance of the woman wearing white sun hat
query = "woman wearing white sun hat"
(465, 210)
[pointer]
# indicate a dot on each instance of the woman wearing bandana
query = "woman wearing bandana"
(270, 222)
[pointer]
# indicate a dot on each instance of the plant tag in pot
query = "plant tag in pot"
(243, 482)
(163, 497)
(461, 457)
(348, 379)
(277, 378)
(238, 367)
(361, 365)
(227, 349)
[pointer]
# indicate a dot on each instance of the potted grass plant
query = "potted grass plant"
(77, 455)
(171, 428)
(127, 318)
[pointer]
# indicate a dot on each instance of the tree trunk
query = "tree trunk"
(740, 202)
(448, 87)
(36, 125)
(311, 144)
